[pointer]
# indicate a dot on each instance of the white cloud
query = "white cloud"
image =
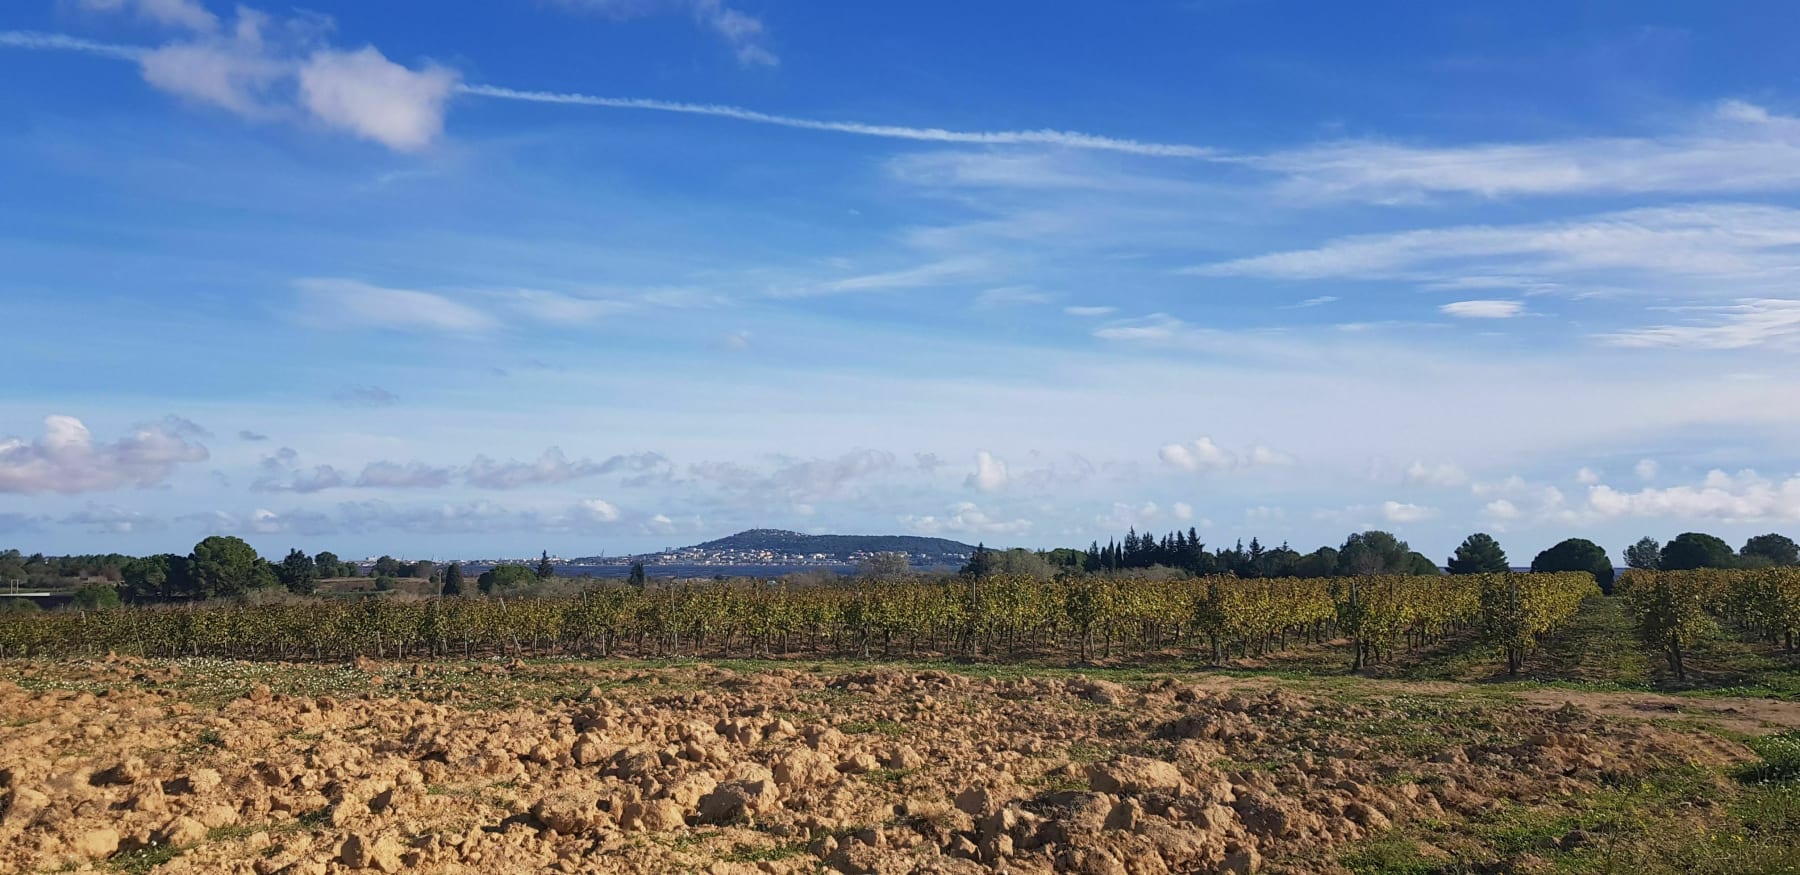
(281, 472)
(965, 518)
(1587, 476)
(1183, 511)
(67, 460)
(1482, 309)
(1443, 474)
(1645, 469)
(1261, 456)
(561, 309)
(375, 98)
(601, 511)
(1737, 148)
(1733, 498)
(234, 71)
(930, 274)
(113, 521)
(1089, 312)
(1204, 455)
(263, 521)
(551, 468)
(796, 481)
(1748, 323)
(185, 14)
(1201, 455)
(394, 475)
(1502, 510)
(1747, 244)
(269, 69)
(1399, 512)
(990, 473)
(342, 303)
(1130, 516)
(436, 519)
(1511, 486)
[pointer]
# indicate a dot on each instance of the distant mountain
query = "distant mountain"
(840, 545)
(780, 547)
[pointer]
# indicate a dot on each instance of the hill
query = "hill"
(781, 547)
(780, 541)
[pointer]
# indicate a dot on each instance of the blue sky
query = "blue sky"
(475, 279)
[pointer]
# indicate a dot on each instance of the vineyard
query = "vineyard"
(1674, 609)
(1000, 616)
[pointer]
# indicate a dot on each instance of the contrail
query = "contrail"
(27, 39)
(1070, 139)
(56, 42)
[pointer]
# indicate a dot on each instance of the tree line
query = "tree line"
(228, 567)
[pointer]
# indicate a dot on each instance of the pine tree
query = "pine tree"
(1478, 554)
(1645, 554)
(545, 570)
(453, 579)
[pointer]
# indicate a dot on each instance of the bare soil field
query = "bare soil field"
(200, 766)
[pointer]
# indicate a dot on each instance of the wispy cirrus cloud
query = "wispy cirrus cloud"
(1747, 243)
(1737, 147)
(1748, 323)
(352, 304)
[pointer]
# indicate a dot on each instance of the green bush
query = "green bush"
(96, 596)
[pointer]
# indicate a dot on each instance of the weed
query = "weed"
(142, 860)
(888, 728)
(744, 854)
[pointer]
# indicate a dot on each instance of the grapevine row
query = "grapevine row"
(997, 615)
(1673, 609)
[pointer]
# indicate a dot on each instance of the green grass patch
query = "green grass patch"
(746, 854)
(232, 833)
(887, 776)
(1391, 855)
(142, 860)
(888, 728)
